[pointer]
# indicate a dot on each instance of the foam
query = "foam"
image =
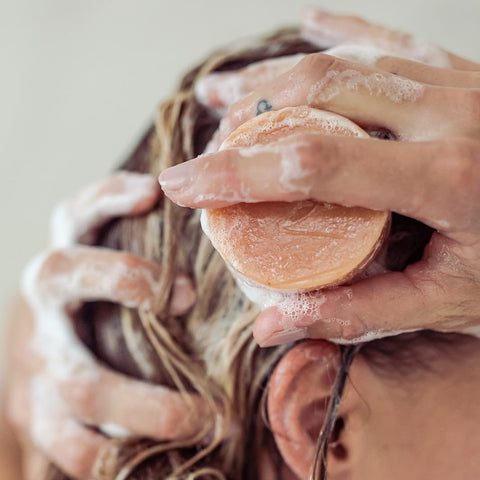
(443, 224)
(370, 336)
(473, 331)
(65, 357)
(300, 308)
(396, 89)
(419, 50)
(293, 175)
(357, 53)
(115, 431)
(85, 279)
(47, 412)
(398, 44)
(293, 118)
(324, 37)
(72, 220)
(54, 337)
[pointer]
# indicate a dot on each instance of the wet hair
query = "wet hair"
(210, 349)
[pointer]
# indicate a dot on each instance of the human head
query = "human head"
(210, 350)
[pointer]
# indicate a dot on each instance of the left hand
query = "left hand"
(63, 402)
(432, 175)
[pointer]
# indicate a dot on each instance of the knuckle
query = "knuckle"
(78, 460)
(353, 330)
(319, 158)
(461, 167)
(316, 63)
(41, 271)
(81, 399)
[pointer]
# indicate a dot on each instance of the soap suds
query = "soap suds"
(473, 331)
(357, 53)
(115, 431)
(115, 195)
(396, 89)
(293, 175)
(396, 43)
(369, 336)
(47, 414)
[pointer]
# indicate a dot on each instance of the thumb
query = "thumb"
(380, 306)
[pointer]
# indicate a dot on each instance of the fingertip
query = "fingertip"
(175, 180)
(151, 193)
(213, 91)
(268, 330)
(184, 295)
(262, 327)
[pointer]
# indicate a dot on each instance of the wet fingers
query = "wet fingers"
(112, 402)
(328, 30)
(71, 446)
(86, 273)
(120, 194)
(413, 70)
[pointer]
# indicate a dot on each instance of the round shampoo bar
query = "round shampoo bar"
(295, 246)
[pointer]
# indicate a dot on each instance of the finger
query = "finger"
(434, 182)
(112, 402)
(367, 96)
(418, 298)
(17, 404)
(34, 463)
(328, 30)
(72, 447)
(86, 273)
(419, 72)
(120, 194)
(222, 89)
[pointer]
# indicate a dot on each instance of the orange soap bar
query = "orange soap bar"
(297, 246)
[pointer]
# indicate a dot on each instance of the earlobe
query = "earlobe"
(299, 391)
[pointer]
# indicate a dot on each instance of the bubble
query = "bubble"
(397, 89)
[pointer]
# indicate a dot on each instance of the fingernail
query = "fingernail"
(176, 178)
(285, 336)
(184, 296)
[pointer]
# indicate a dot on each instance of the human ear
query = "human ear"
(299, 392)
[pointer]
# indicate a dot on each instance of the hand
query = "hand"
(432, 174)
(330, 30)
(59, 391)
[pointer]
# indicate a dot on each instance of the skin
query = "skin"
(420, 429)
(431, 174)
(81, 392)
(414, 426)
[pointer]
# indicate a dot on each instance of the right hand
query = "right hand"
(58, 391)
(431, 174)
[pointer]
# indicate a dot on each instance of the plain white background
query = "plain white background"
(80, 79)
